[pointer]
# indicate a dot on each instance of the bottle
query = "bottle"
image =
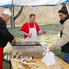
(60, 66)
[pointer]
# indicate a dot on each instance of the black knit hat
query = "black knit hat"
(63, 10)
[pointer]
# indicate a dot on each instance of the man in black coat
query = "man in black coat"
(5, 35)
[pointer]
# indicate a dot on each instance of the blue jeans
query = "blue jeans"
(66, 57)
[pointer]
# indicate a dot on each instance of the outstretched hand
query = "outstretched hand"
(52, 48)
(43, 32)
(14, 40)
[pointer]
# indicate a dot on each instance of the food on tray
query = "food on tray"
(30, 65)
(27, 64)
(31, 61)
(26, 43)
(31, 58)
(22, 60)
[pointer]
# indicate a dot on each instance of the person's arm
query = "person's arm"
(25, 34)
(6, 34)
(64, 39)
(23, 31)
(40, 31)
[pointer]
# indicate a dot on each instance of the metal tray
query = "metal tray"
(26, 43)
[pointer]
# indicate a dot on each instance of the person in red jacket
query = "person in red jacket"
(30, 29)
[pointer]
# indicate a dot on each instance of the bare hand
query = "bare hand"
(43, 32)
(14, 40)
(29, 35)
(52, 48)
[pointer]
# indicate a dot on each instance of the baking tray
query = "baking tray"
(26, 43)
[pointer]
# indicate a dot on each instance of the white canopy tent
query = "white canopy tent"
(32, 2)
(24, 3)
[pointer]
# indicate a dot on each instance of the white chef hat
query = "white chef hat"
(8, 12)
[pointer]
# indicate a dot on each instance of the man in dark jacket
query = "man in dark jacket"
(5, 35)
(63, 42)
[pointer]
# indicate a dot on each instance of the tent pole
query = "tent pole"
(12, 18)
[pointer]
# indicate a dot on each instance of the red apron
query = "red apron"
(1, 57)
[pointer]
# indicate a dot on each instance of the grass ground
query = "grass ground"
(52, 35)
